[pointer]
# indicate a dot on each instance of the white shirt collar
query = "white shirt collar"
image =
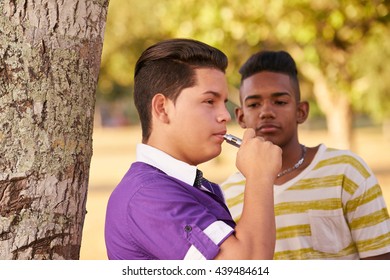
(166, 163)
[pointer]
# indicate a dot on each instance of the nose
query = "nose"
(266, 111)
(224, 116)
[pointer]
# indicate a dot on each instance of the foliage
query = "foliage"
(346, 40)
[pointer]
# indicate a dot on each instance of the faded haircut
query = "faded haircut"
(168, 67)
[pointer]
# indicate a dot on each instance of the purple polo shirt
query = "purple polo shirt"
(156, 213)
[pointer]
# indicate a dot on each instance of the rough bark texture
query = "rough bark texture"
(49, 64)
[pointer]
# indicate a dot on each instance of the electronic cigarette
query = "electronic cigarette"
(232, 140)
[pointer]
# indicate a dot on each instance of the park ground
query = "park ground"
(113, 152)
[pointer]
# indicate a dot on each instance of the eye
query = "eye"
(253, 105)
(280, 102)
(210, 101)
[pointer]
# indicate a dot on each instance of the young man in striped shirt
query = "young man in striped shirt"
(328, 204)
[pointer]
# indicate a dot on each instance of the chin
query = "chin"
(207, 156)
(216, 153)
(270, 138)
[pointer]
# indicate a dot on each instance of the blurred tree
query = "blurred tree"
(49, 65)
(328, 39)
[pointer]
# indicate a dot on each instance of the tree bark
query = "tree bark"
(49, 64)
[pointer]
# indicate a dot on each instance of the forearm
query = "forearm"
(254, 236)
(257, 224)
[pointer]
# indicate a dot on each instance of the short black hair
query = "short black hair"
(272, 61)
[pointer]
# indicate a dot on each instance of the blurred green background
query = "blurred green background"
(342, 49)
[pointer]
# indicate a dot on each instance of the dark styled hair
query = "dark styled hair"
(168, 67)
(272, 61)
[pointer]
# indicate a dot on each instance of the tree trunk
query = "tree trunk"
(49, 64)
(339, 119)
(336, 107)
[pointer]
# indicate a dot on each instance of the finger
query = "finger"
(248, 134)
(261, 139)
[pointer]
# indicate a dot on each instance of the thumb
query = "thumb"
(248, 134)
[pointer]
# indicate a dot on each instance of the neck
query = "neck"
(295, 160)
(291, 154)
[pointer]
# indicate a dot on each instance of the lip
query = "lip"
(268, 128)
(220, 135)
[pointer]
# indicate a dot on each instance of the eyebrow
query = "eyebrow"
(275, 94)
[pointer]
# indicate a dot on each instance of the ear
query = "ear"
(160, 108)
(240, 117)
(302, 112)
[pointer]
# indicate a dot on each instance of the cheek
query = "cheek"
(251, 118)
(193, 125)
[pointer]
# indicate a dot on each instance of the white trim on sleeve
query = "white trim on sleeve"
(217, 232)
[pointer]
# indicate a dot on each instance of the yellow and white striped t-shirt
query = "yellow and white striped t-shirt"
(334, 209)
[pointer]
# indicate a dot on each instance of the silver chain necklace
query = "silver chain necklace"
(298, 164)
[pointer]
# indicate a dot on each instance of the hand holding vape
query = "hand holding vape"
(232, 140)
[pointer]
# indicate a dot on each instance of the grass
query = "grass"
(113, 152)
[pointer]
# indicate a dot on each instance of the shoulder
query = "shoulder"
(329, 152)
(143, 180)
(233, 187)
(234, 179)
(345, 160)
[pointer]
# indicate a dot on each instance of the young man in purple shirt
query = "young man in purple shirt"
(161, 209)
